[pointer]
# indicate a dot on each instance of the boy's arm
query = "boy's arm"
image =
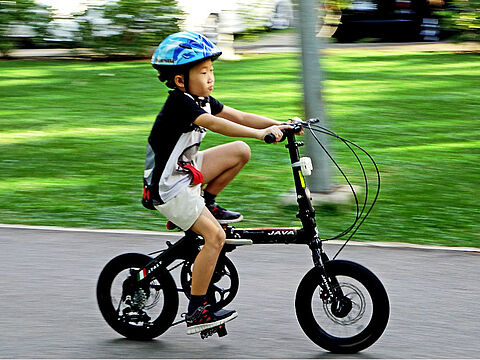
(229, 128)
(246, 119)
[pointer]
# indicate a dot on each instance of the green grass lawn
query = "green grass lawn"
(73, 137)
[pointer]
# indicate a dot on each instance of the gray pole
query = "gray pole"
(307, 17)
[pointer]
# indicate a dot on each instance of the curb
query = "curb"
(392, 245)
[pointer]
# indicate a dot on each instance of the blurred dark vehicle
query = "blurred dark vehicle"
(390, 20)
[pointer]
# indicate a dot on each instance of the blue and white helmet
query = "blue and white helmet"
(183, 48)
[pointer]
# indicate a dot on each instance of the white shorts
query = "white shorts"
(185, 208)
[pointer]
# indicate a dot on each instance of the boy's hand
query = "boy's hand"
(275, 130)
(293, 121)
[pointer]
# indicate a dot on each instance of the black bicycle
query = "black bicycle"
(340, 305)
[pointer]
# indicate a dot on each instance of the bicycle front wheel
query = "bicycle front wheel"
(139, 312)
(354, 318)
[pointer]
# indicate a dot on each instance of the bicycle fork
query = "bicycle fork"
(330, 291)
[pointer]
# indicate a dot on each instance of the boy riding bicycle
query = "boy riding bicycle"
(175, 169)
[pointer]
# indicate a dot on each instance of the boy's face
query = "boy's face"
(201, 79)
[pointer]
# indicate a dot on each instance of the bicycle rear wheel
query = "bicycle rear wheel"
(136, 312)
(352, 321)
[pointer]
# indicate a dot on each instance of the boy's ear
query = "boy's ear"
(179, 81)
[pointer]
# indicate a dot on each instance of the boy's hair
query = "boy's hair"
(167, 74)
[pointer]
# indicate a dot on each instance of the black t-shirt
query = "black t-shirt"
(175, 140)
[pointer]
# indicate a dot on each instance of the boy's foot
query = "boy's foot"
(203, 318)
(223, 215)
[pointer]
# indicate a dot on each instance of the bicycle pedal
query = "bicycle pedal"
(206, 333)
(221, 330)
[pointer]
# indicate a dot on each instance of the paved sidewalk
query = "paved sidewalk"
(50, 310)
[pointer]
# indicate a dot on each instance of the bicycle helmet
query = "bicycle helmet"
(179, 52)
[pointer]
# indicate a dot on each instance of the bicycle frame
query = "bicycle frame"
(308, 234)
(188, 247)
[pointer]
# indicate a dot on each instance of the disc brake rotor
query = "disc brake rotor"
(347, 310)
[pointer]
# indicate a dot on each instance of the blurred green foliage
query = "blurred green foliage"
(128, 27)
(19, 18)
(73, 137)
(462, 17)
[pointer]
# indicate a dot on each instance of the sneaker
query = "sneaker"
(223, 215)
(203, 318)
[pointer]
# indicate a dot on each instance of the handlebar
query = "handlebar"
(296, 127)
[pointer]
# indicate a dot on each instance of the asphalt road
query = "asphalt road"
(49, 310)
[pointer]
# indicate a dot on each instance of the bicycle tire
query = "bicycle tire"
(106, 301)
(368, 304)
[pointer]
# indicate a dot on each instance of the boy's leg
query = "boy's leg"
(219, 167)
(222, 163)
(214, 235)
(199, 316)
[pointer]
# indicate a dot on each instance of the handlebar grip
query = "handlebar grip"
(270, 138)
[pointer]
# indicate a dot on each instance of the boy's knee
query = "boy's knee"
(217, 240)
(220, 238)
(243, 151)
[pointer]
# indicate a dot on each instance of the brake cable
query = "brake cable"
(360, 216)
